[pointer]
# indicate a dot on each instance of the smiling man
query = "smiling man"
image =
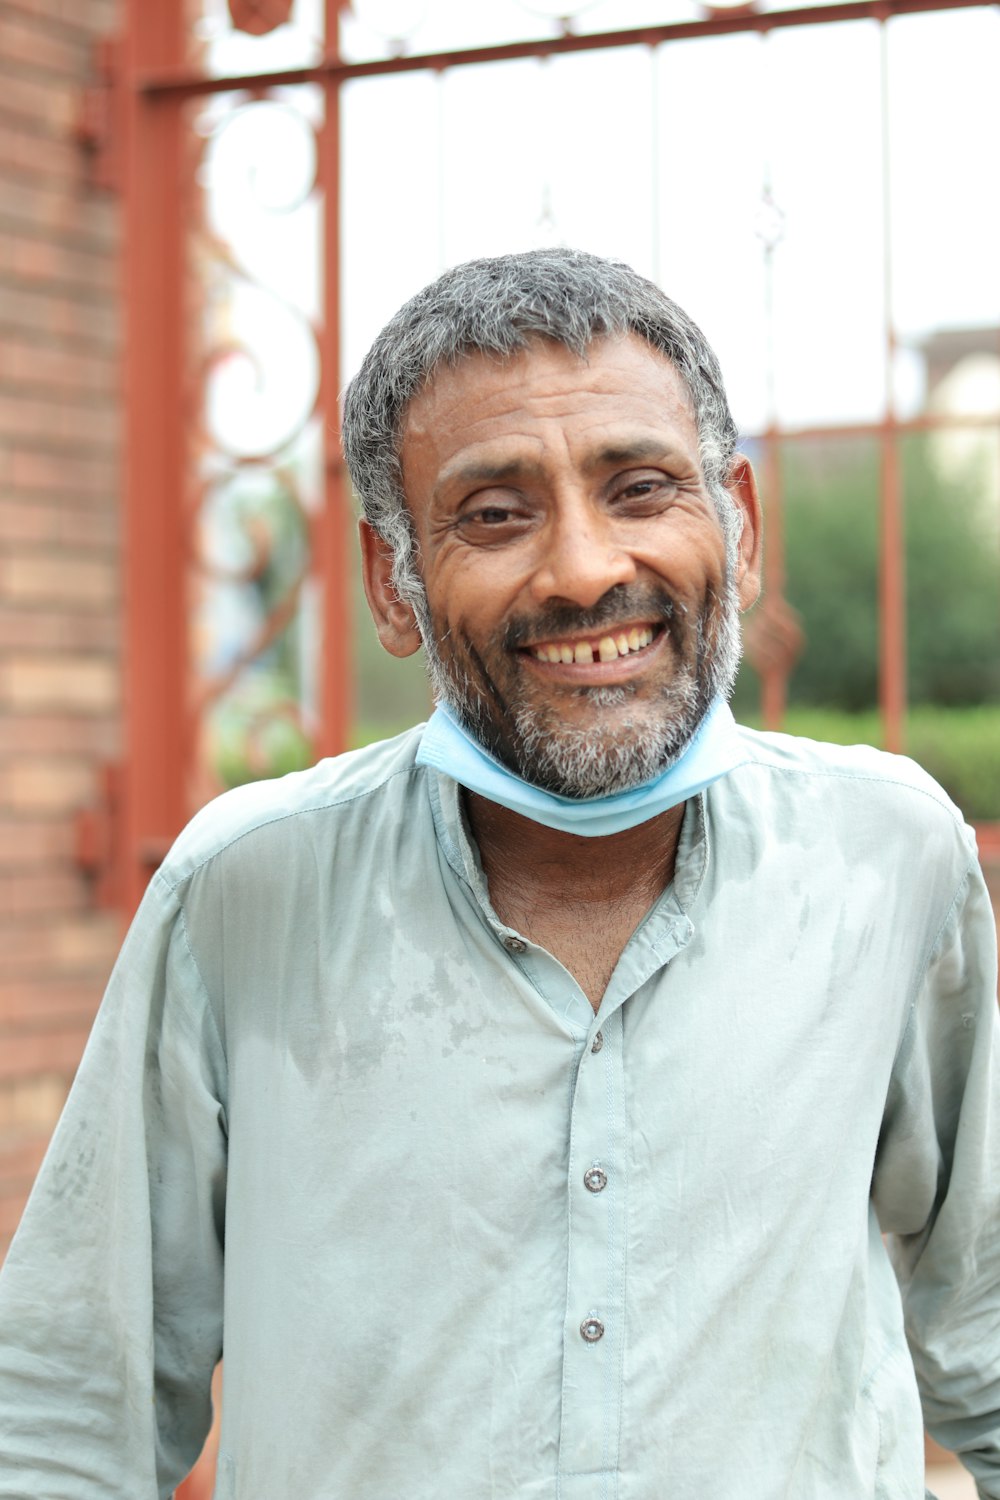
(577, 1098)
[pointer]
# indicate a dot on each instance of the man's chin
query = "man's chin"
(590, 742)
(600, 759)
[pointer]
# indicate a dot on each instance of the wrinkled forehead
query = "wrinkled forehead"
(472, 369)
(543, 411)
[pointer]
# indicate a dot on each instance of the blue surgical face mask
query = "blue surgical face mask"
(715, 750)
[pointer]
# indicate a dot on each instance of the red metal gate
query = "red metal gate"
(156, 81)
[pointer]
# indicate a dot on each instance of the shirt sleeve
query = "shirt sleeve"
(111, 1297)
(937, 1185)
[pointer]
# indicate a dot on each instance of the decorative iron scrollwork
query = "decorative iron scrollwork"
(256, 470)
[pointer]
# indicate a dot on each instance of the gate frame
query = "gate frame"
(132, 121)
(147, 81)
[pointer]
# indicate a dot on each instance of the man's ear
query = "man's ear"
(394, 620)
(742, 487)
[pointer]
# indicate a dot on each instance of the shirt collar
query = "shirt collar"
(460, 848)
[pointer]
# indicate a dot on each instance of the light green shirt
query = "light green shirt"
(481, 1244)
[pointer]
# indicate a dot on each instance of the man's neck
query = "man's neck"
(580, 898)
(622, 870)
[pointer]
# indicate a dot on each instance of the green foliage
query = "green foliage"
(255, 732)
(953, 588)
(952, 566)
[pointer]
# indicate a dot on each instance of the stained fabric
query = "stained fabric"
(461, 1236)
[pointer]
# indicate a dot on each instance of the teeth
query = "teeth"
(609, 648)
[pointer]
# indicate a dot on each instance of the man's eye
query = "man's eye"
(490, 517)
(647, 488)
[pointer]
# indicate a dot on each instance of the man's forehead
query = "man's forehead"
(471, 369)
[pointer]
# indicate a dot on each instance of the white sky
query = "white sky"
(660, 158)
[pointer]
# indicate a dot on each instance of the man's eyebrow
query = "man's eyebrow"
(627, 450)
(482, 471)
(635, 450)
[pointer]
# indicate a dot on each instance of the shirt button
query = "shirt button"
(513, 945)
(591, 1329)
(595, 1179)
(598, 1042)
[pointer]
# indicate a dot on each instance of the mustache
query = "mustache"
(621, 605)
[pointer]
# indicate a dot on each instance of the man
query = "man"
(543, 1082)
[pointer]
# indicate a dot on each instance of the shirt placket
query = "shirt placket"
(594, 1326)
(594, 1330)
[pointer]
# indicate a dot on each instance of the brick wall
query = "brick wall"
(59, 567)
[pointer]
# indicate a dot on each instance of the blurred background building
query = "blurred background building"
(207, 210)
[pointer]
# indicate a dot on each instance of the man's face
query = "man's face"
(580, 615)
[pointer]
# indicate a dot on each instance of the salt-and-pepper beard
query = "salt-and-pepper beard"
(530, 739)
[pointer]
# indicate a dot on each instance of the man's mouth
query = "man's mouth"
(582, 650)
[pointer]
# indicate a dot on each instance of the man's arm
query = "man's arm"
(937, 1185)
(111, 1298)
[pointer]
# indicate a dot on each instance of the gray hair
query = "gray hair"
(497, 307)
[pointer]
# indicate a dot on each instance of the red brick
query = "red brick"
(34, 258)
(58, 1052)
(86, 20)
(94, 476)
(14, 1192)
(40, 48)
(38, 578)
(26, 363)
(25, 151)
(95, 737)
(47, 1003)
(76, 631)
(11, 1209)
(62, 423)
(20, 1158)
(59, 313)
(43, 893)
(53, 784)
(57, 524)
(31, 1104)
(81, 218)
(28, 842)
(78, 946)
(24, 522)
(60, 336)
(36, 102)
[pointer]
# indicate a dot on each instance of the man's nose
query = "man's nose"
(583, 557)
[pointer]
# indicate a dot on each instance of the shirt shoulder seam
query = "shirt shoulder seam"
(325, 805)
(846, 774)
(206, 997)
(925, 962)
